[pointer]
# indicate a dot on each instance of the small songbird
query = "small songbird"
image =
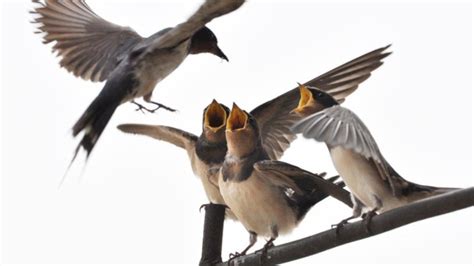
(97, 50)
(268, 197)
(206, 152)
(376, 187)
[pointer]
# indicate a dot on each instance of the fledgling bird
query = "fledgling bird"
(97, 50)
(375, 186)
(268, 197)
(206, 152)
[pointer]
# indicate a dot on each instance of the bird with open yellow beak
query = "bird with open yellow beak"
(206, 152)
(274, 117)
(375, 186)
(268, 197)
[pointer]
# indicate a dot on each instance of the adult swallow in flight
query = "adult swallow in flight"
(206, 152)
(376, 187)
(97, 50)
(268, 197)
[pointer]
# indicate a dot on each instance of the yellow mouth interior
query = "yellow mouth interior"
(305, 97)
(237, 119)
(215, 116)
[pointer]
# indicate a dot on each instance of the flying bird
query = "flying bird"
(97, 50)
(268, 197)
(375, 186)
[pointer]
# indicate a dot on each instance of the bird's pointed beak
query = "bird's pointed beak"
(237, 119)
(218, 52)
(215, 116)
(306, 98)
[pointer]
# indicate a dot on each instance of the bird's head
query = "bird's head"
(242, 133)
(204, 41)
(312, 101)
(214, 121)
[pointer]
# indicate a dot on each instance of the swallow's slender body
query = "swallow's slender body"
(97, 50)
(268, 197)
(206, 152)
(375, 186)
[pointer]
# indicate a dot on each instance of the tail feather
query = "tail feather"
(93, 122)
(416, 192)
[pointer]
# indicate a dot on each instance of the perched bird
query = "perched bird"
(206, 152)
(375, 186)
(97, 50)
(268, 197)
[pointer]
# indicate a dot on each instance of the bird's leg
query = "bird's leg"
(339, 225)
(141, 108)
(252, 240)
(356, 211)
(367, 216)
(159, 105)
(204, 206)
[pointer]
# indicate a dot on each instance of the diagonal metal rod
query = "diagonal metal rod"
(387, 221)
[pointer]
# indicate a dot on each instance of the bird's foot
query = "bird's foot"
(367, 218)
(143, 108)
(204, 206)
(341, 224)
(264, 250)
(159, 105)
(236, 255)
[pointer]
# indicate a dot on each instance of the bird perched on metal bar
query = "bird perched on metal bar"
(268, 197)
(375, 186)
(206, 152)
(95, 49)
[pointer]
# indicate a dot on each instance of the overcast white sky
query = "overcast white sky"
(137, 201)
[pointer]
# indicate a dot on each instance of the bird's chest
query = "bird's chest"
(361, 177)
(208, 174)
(157, 66)
(258, 206)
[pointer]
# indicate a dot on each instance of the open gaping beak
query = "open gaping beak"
(306, 99)
(237, 119)
(215, 116)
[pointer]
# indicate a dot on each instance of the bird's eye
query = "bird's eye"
(320, 95)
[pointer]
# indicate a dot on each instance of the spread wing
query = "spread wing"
(338, 126)
(344, 79)
(90, 46)
(172, 135)
(302, 183)
(207, 12)
(274, 118)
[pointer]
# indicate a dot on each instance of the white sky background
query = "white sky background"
(138, 200)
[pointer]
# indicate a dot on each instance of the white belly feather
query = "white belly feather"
(363, 180)
(158, 66)
(258, 206)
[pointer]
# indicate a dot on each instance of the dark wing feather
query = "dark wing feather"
(90, 46)
(172, 135)
(301, 188)
(343, 80)
(274, 118)
(338, 126)
(208, 11)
